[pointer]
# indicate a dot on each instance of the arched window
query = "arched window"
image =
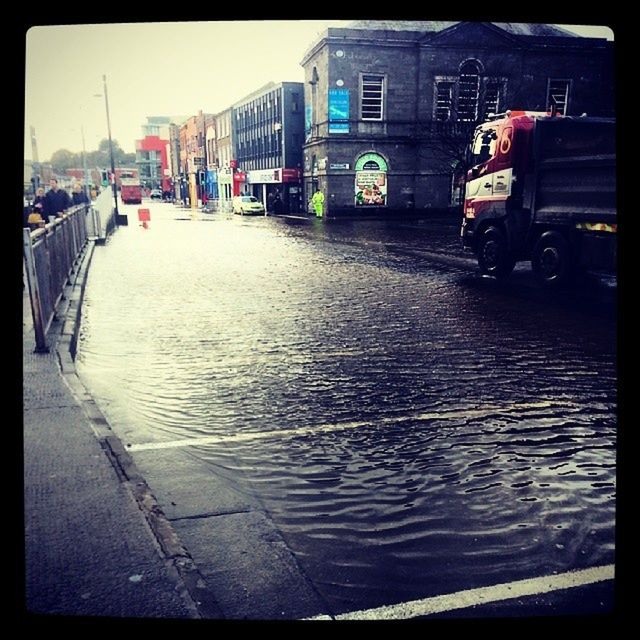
(469, 91)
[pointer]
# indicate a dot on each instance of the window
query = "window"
(372, 92)
(295, 98)
(468, 92)
(444, 100)
(484, 145)
(492, 96)
(558, 95)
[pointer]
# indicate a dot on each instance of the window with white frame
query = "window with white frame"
(468, 92)
(371, 96)
(444, 100)
(558, 95)
(493, 95)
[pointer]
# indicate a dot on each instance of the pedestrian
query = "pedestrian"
(79, 196)
(318, 203)
(270, 199)
(56, 201)
(35, 221)
(38, 202)
(277, 204)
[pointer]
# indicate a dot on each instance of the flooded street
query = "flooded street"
(408, 430)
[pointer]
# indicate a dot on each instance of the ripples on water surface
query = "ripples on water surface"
(484, 439)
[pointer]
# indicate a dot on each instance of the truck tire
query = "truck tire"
(493, 253)
(551, 260)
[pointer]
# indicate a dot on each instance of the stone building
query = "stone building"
(389, 105)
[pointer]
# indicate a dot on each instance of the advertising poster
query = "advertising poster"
(371, 188)
(338, 110)
(307, 121)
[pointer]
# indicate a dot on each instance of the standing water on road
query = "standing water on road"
(409, 432)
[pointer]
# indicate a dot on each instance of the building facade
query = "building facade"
(211, 157)
(225, 158)
(268, 129)
(152, 163)
(173, 158)
(193, 156)
(390, 106)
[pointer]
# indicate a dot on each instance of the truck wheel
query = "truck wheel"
(493, 254)
(551, 260)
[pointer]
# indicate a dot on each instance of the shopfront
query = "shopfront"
(225, 185)
(278, 189)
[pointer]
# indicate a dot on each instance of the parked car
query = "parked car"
(247, 205)
(155, 194)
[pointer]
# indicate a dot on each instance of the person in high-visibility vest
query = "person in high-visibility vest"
(317, 201)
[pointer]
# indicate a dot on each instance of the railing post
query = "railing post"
(97, 221)
(74, 241)
(34, 293)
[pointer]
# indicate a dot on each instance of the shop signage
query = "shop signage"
(224, 175)
(371, 180)
(371, 162)
(264, 176)
(291, 175)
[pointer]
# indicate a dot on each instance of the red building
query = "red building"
(151, 160)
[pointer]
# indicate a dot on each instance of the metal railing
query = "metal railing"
(414, 130)
(50, 257)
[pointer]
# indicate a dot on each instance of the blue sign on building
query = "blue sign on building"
(338, 110)
(307, 121)
(212, 183)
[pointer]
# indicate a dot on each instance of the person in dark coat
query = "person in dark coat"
(36, 212)
(57, 200)
(277, 203)
(79, 196)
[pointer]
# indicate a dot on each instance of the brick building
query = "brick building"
(193, 155)
(389, 105)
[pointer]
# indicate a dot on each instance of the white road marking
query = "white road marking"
(324, 428)
(480, 596)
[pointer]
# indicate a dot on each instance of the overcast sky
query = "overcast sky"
(155, 69)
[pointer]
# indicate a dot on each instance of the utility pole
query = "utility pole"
(87, 192)
(35, 167)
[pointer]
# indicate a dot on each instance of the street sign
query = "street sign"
(339, 165)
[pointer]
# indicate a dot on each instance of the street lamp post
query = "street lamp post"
(119, 219)
(87, 191)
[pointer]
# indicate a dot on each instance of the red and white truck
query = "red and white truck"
(542, 188)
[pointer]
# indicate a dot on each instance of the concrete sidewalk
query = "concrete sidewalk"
(89, 545)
